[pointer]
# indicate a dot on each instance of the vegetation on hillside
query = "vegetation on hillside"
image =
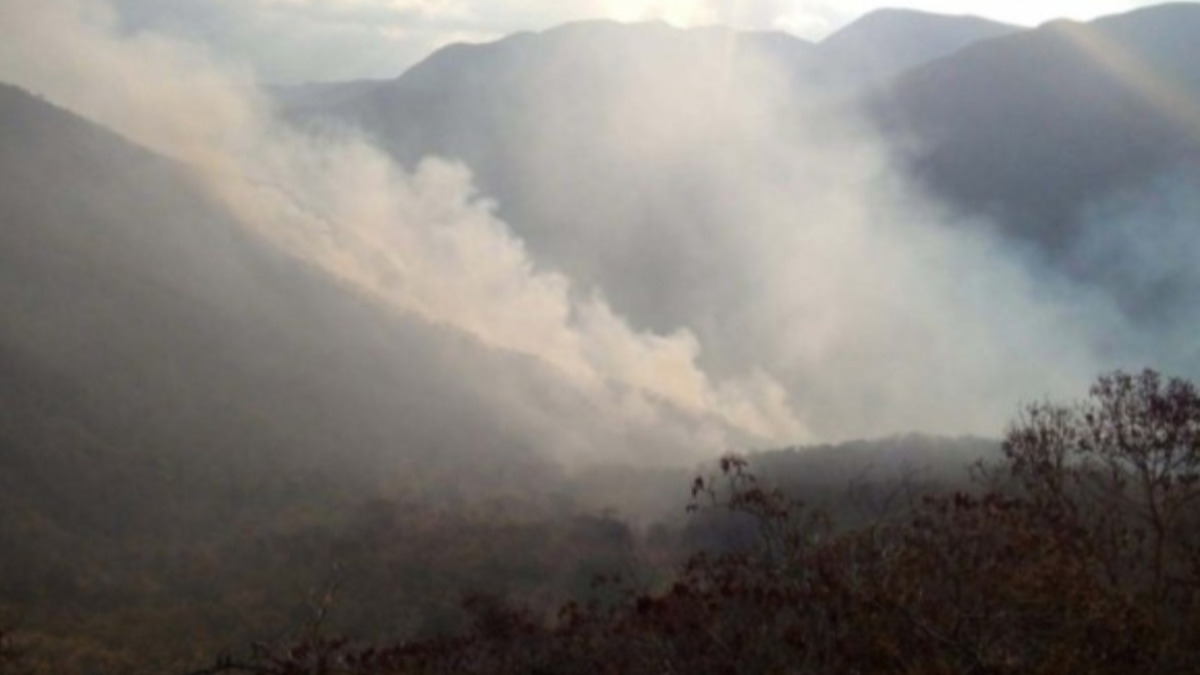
(1075, 550)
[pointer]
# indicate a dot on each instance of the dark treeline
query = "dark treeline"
(1077, 551)
(1072, 548)
(129, 562)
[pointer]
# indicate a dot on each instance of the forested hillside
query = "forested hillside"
(599, 348)
(1074, 550)
(178, 406)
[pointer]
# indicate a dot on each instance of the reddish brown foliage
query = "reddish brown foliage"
(1081, 560)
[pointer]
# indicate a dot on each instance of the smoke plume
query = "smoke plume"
(726, 267)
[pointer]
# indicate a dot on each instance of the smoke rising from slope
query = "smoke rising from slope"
(781, 280)
(696, 186)
(420, 242)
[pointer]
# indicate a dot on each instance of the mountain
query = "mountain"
(177, 395)
(545, 122)
(1032, 128)
(197, 429)
(172, 326)
(198, 432)
(558, 127)
(663, 168)
(457, 100)
(887, 42)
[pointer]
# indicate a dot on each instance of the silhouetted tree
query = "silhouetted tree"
(1123, 467)
(1081, 560)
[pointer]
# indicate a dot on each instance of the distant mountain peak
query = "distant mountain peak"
(1181, 20)
(892, 23)
(659, 27)
(607, 25)
(907, 14)
(1167, 9)
(886, 42)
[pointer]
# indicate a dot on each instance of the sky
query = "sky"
(289, 41)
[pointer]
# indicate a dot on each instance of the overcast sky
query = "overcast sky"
(300, 40)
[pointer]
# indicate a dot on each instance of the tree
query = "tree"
(1123, 467)
(8, 656)
(1082, 559)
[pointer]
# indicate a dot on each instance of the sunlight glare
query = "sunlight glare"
(1170, 97)
(678, 13)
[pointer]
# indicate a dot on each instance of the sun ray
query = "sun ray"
(1175, 101)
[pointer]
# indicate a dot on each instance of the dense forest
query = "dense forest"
(1075, 551)
(1069, 548)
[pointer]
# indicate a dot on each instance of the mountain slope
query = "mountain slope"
(455, 101)
(1031, 128)
(887, 42)
(602, 126)
(124, 279)
(183, 331)
(171, 387)
(551, 123)
(654, 168)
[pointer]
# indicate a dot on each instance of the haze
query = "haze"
(291, 296)
(292, 40)
(771, 275)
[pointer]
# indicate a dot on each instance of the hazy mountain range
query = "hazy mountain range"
(1027, 128)
(1061, 143)
(636, 245)
(1033, 128)
(151, 313)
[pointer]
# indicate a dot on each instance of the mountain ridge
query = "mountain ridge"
(886, 42)
(1047, 81)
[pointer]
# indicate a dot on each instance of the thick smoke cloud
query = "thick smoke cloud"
(781, 280)
(695, 187)
(419, 243)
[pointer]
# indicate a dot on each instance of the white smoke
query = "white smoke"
(419, 242)
(781, 280)
(696, 186)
